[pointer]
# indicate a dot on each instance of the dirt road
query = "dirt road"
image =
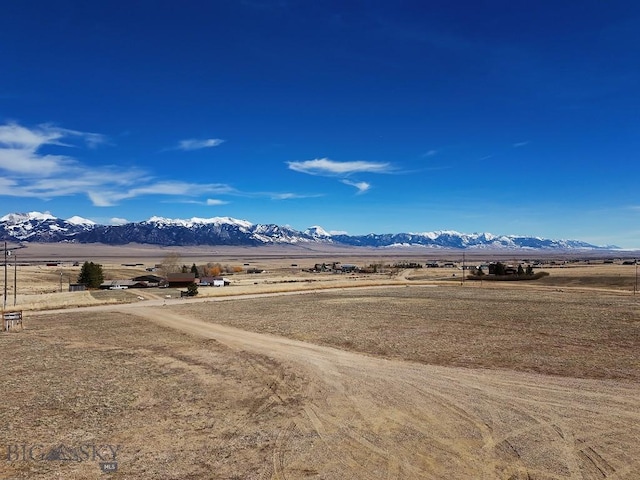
(362, 417)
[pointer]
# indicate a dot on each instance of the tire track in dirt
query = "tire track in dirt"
(377, 418)
(582, 444)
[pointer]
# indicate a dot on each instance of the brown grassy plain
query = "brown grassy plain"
(414, 375)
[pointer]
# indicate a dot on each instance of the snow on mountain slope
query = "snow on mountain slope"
(200, 221)
(75, 220)
(317, 232)
(18, 218)
(44, 227)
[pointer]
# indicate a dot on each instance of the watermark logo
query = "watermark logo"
(105, 454)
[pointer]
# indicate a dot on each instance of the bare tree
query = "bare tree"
(172, 263)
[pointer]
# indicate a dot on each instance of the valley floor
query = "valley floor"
(364, 384)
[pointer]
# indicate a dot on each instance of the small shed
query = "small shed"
(77, 287)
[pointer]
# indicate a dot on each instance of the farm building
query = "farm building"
(346, 268)
(214, 281)
(181, 280)
(150, 280)
(77, 287)
(121, 284)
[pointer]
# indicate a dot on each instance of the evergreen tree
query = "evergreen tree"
(194, 269)
(520, 270)
(529, 270)
(499, 269)
(91, 275)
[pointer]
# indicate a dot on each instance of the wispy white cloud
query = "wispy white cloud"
(291, 196)
(331, 168)
(284, 196)
(194, 144)
(180, 188)
(328, 167)
(13, 135)
(108, 198)
(361, 186)
(430, 153)
(216, 201)
(520, 144)
(25, 171)
(19, 148)
(118, 221)
(208, 202)
(338, 232)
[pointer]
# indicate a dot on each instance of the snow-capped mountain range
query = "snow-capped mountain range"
(45, 228)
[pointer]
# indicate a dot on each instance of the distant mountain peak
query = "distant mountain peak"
(26, 217)
(200, 221)
(317, 231)
(76, 220)
(44, 227)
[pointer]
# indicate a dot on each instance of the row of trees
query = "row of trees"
(210, 269)
(172, 263)
(500, 269)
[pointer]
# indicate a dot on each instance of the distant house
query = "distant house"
(507, 269)
(214, 281)
(122, 284)
(347, 268)
(181, 280)
(150, 280)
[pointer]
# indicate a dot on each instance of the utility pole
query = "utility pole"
(464, 267)
(635, 289)
(15, 280)
(4, 303)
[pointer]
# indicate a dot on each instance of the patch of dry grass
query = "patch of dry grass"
(590, 335)
(178, 407)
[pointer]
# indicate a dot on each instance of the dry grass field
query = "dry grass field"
(412, 375)
(559, 333)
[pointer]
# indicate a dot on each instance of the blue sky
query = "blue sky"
(508, 117)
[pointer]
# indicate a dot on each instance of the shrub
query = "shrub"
(192, 289)
(508, 278)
